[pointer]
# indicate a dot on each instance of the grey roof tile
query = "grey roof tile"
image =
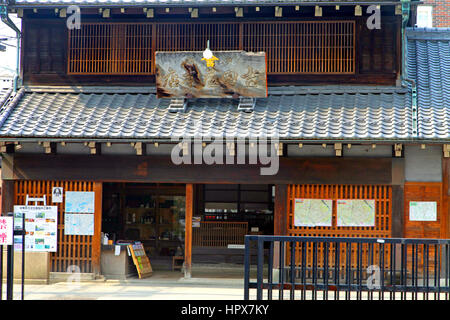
(381, 114)
(429, 65)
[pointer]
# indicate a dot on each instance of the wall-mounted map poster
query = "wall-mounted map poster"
(80, 202)
(79, 224)
(41, 225)
(422, 211)
(313, 212)
(355, 213)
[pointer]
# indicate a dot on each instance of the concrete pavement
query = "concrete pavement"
(161, 286)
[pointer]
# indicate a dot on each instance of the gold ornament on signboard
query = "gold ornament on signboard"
(209, 57)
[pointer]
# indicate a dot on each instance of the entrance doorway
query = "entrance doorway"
(153, 214)
(225, 214)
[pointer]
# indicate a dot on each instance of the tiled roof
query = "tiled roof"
(56, 3)
(4, 94)
(429, 65)
(298, 113)
(5, 89)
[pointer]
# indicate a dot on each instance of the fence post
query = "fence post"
(246, 268)
(23, 255)
(259, 269)
(1, 272)
(10, 269)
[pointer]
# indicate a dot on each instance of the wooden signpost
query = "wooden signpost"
(141, 260)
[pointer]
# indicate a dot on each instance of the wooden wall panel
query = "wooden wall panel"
(378, 48)
(382, 194)
(338, 50)
(44, 49)
(446, 197)
(73, 250)
(424, 191)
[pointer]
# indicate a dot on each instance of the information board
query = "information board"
(355, 213)
(41, 225)
(80, 202)
(423, 211)
(313, 213)
(140, 260)
(79, 224)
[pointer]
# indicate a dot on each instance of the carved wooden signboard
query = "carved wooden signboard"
(183, 74)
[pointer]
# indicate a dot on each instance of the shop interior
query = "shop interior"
(154, 214)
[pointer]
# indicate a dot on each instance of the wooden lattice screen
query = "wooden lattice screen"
(219, 234)
(303, 47)
(382, 194)
(72, 250)
(294, 47)
(111, 48)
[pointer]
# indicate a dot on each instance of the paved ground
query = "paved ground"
(161, 286)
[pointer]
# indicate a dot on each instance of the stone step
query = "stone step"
(71, 277)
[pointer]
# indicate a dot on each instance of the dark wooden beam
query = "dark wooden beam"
(7, 204)
(161, 169)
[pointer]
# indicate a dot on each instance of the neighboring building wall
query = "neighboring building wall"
(440, 12)
(424, 182)
(423, 165)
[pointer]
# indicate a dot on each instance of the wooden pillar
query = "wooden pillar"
(280, 210)
(398, 213)
(279, 222)
(96, 239)
(398, 194)
(188, 230)
(7, 196)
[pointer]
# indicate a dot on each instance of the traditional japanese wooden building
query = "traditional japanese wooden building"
(358, 113)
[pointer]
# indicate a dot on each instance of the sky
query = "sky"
(8, 58)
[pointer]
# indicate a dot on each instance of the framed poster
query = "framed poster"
(57, 194)
(80, 202)
(355, 213)
(79, 224)
(313, 212)
(41, 225)
(422, 211)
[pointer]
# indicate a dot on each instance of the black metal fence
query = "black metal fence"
(9, 276)
(324, 268)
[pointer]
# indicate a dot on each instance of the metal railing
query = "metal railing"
(325, 268)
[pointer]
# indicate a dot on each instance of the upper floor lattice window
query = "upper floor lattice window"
(294, 47)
